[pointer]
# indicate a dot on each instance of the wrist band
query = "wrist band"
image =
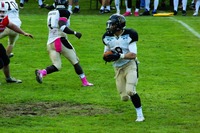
(74, 32)
(122, 56)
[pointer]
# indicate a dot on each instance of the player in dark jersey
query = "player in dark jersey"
(122, 42)
(58, 22)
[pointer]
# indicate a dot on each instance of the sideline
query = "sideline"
(187, 27)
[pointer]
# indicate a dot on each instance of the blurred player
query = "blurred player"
(13, 15)
(6, 23)
(57, 44)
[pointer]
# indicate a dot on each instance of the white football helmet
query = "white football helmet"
(3, 9)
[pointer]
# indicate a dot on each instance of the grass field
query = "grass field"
(168, 51)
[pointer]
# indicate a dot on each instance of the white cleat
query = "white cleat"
(195, 14)
(140, 119)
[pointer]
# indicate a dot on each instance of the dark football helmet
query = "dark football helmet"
(61, 3)
(115, 23)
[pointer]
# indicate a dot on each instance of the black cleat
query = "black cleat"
(13, 80)
(38, 76)
(184, 13)
(145, 13)
(76, 10)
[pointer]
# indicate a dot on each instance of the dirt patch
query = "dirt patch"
(50, 109)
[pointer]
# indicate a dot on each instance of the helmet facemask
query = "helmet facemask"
(115, 24)
(3, 10)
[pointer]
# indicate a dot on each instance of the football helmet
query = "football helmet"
(115, 23)
(61, 3)
(3, 9)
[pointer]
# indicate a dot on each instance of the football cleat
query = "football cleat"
(107, 11)
(13, 80)
(140, 119)
(195, 14)
(43, 6)
(21, 5)
(175, 12)
(87, 84)
(38, 76)
(101, 11)
(136, 14)
(127, 14)
(184, 13)
(76, 10)
(11, 55)
(154, 12)
(145, 13)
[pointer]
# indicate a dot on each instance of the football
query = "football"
(107, 53)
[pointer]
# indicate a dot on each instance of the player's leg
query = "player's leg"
(175, 6)
(12, 38)
(56, 64)
(76, 7)
(137, 8)
(21, 5)
(69, 53)
(131, 82)
(6, 69)
(147, 9)
(117, 6)
(121, 84)
(156, 2)
(128, 4)
(196, 8)
(184, 4)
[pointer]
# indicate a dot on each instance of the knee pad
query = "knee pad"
(130, 93)
(125, 98)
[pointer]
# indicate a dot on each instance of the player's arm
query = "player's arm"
(67, 30)
(18, 30)
(133, 52)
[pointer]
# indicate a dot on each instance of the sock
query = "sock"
(108, 7)
(156, 2)
(77, 6)
(117, 5)
(128, 10)
(70, 8)
(139, 112)
(136, 10)
(197, 6)
(184, 4)
(175, 5)
(43, 72)
(147, 4)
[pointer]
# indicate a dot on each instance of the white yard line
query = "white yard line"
(187, 27)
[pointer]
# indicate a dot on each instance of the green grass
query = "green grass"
(168, 85)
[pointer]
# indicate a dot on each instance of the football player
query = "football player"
(122, 42)
(57, 44)
(6, 23)
(13, 15)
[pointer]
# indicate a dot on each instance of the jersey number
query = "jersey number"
(13, 4)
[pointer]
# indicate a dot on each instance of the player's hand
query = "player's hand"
(78, 35)
(29, 35)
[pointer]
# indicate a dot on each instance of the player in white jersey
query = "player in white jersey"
(57, 44)
(123, 44)
(13, 15)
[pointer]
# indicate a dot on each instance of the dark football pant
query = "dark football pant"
(4, 59)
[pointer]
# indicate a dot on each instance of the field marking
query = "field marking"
(187, 27)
